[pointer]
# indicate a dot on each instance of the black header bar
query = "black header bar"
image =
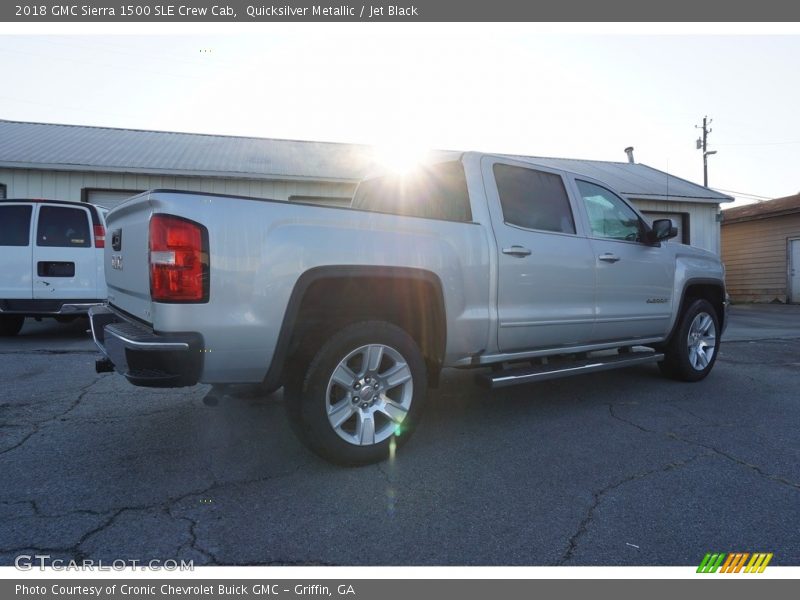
(132, 11)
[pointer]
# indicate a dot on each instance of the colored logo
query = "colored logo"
(734, 562)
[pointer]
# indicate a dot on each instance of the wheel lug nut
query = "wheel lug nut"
(365, 405)
(356, 399)
(357, 386)
(374, 398)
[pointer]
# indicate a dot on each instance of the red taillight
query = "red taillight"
(99, 236)
(178, 260)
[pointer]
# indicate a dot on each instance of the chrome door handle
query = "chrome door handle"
(608, 257)
(517, 251)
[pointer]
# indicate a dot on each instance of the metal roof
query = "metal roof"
(77, 147)
(635, 180)
(105, 149)
(762, 210)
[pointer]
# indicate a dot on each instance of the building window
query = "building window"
(2, 191)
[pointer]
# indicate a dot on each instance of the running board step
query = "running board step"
(509, 377)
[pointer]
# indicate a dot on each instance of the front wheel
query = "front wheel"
(360, 396)
(691, 353)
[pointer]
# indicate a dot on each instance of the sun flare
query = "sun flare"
(399, 158)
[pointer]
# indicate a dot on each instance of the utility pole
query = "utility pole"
(702, 144)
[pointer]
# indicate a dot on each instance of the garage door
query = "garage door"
(679, 220)
(109, 198)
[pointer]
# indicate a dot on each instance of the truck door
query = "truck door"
(634, 279)
(545, 296)
(15, 251)
(64, 265)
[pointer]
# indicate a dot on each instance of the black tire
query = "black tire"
(310, 390)
(680, 362)
(10, 325)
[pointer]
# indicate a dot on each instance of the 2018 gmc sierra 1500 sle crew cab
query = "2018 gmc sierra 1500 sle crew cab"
(480, 261)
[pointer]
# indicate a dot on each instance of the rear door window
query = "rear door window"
(63, 227)
(533, 199)
(15, 225)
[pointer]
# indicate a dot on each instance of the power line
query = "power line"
(743, 194)
(761, 144)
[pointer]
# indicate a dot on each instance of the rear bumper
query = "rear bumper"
(144, 357)
(47, 308)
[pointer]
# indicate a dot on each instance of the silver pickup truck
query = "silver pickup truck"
(485, 262)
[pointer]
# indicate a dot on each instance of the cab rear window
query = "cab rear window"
(63, 227)
(15, 225)
(434, 192)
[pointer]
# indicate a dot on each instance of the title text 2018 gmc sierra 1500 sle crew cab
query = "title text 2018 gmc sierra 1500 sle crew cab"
(480, 261)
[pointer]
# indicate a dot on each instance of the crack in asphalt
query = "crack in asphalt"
(722, 453)
(194, 542)
(597, 497)
(631, 423)
(288, 563)
(38, 512)
(674, 404)
(74, 549)
(167, 506)
(770, 339)
(113, 419)
(36, 426)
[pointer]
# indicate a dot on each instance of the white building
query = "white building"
(105, 165)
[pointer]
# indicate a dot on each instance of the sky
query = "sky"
(511, 88)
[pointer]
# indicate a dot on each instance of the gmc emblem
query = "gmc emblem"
(116, 262)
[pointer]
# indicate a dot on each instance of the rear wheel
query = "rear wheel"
(10, 325)
(691, 353)
(360, 396)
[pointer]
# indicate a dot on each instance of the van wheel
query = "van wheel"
(361, 396)
(691, 353)
(10, 325)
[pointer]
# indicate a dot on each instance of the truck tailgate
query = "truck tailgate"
(126, 257)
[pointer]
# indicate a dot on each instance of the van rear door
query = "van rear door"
(16, 240)
(64, 264)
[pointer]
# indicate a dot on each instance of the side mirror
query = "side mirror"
(662, 229)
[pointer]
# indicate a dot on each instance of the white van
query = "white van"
(51, 260)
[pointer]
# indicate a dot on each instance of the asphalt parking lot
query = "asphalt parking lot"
(615, 468)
